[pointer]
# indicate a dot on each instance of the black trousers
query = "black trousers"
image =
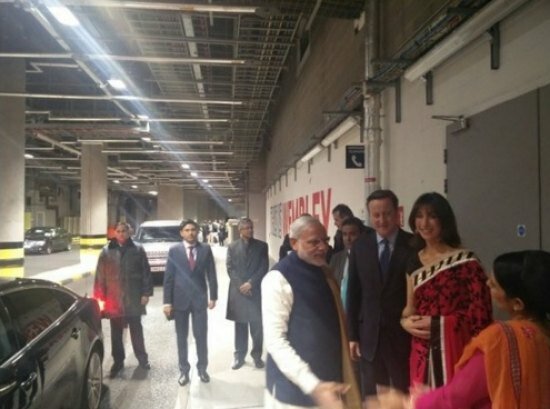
(136, 335)
(390, 366)
(241, 339)
(199, 320)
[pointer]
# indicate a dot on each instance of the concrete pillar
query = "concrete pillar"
(170, 202)
(12, 169)
(93, 203)
(190, 205)
(256, 212)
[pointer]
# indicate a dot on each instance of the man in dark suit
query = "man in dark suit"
(189, 267)
(377, 293)
(247, 263)
(352, 228)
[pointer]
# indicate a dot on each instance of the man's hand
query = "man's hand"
(388, 399)
(354, 351)
(167, 311)
(211, 304)
(246, 289)
(328, 395)
(144, 299)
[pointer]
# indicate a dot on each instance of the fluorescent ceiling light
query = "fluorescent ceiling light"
(314, 151)
(116, 181)
(29, 156)
(229, 200)
(474, 27)
(194, 174)
(185, 166)
(64, 16)
(134, 187)
(340, 130)
(153, 192)
(117, 84)
(143, 117)
(205, 180)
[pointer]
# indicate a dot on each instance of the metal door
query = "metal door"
(493, 178)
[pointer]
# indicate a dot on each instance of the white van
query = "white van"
(157, 237)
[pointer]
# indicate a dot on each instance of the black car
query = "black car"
(51, 347)
(47, 239)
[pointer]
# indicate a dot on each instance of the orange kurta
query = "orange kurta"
(528, 357)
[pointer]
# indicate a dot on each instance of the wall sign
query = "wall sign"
(355, 156)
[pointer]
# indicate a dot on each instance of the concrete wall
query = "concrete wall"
(315, 188)
(412, 151)
(334, 65)
(464, 85)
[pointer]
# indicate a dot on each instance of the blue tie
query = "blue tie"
(384, 257)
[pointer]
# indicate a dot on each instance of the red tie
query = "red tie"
(191, 258)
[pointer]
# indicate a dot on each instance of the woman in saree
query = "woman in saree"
(448, 300)
(507, 366)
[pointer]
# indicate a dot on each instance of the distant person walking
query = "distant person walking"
(247, 263)
(123, 282)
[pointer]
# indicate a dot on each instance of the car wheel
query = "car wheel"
(93, 382)
(48, 249)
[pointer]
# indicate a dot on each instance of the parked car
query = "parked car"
(51, 347)
(47, 239)
(157, 237)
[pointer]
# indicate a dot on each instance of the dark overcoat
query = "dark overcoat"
(246, 262)
(122, 277)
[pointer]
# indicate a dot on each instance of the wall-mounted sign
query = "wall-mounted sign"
(355, 156)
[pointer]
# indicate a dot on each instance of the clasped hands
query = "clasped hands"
(246, 289)
(417, 325)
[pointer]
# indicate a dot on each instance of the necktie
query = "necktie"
(191, 258)
(385, 257)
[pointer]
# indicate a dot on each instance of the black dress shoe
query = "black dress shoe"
(204, 377)
(237, 363)
(115, 369)
(145, 365)
(183, 379)
(258, 363)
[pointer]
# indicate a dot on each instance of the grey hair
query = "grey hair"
(244, 221)
(300, 224)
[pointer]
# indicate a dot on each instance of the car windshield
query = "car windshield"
(158, 233)
(38, 232)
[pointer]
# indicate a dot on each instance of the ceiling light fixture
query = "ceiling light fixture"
(153, 192)
(116, 181)
(185, 166)
(64, 16)
(134, 187)
(117, 84)
(314, 151)
(29, 156)
(205, 180)
(340, 130)
(194, 174)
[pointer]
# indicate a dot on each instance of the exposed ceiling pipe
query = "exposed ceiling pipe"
(118, 119)
(133, 58)
(118, 98)
(76, 152)
(372, 131)
(478, 24)
(154, 6)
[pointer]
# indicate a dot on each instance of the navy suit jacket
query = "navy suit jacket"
(374, 301)
(185, 288)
